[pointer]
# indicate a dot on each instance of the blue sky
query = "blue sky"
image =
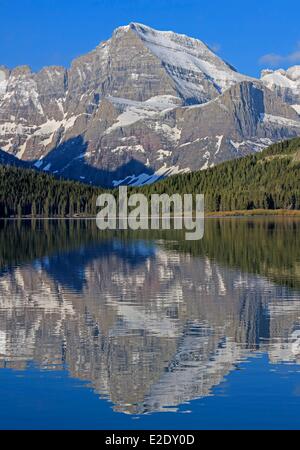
(52, 32)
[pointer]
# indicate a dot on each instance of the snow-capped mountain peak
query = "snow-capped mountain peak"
(143, 105)
(286, 84)
(189, 61)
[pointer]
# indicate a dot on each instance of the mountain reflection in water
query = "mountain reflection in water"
(149, 320)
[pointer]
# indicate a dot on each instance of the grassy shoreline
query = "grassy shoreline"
(208, 214)
(254, 212)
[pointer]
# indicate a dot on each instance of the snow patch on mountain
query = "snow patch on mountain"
(173, 133)
(289, 78)
(121, 149)
(286, 83)
(279, 120)
(277, 78)
(184, 56)
(25, 89)
(296, 108)
(218, 144)
(163, 154)
(237, 145)
(145, 178)
(135, 111)
(3, 82)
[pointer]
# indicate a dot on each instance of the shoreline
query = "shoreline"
(254, 213)
(207, 215)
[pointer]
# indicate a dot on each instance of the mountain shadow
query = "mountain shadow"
(68, 161)
(10, 160)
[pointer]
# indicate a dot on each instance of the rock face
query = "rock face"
(285, 83)
(143, 105)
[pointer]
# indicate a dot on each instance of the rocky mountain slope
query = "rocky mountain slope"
(142, 105)
(285, 83)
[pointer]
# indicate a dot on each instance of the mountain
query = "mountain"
(266, 180)
(285, 83)
(10, 160)
(257, 181)
(143, 105)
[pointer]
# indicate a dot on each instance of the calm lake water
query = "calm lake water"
(140, 330)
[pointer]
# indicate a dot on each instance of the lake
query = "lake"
(144, 330)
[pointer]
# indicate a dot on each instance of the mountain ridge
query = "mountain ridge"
(257, 181)
(124, 111)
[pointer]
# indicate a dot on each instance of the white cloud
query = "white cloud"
(275, 60)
